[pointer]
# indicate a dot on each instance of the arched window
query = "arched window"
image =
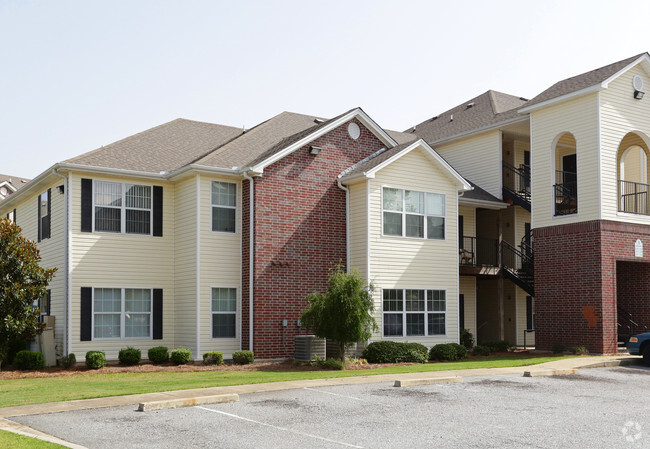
(633, 189)
(566, 175)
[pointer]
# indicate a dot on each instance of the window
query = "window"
(44, 208)
(408, 213)
(224, 206)
(410, 312)
(11, 216)
(43, 304)
(121, 313)
(122, 208)
(224, 312)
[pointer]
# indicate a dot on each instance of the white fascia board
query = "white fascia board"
(205, 169)
(31, 185)
(571, 96)
(8, 184)
(479, 130)
(485, 204)
(645, 57)
(462, 183)
(355, 113)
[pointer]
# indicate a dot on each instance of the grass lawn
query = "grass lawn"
(54, 389)
(14, 441)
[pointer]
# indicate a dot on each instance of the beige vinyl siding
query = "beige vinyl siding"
(185, 264)
(620, 114)
(220, 267)
(468, 288)
(519, 148)
(359, 228)
(122, 260)
(413, 263)
(477, 158)
(469, 220)
(580, 118)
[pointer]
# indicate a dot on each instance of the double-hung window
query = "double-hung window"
(122, 207)
(224, 206)
(224, 312)
(409, 213)
(44, 208)
(120, 313)
(413, 312)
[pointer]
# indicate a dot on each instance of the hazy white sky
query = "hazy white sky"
(75, 75)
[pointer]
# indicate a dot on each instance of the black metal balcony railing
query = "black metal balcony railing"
(633, 197)
(477, 251)
(518, 265)
(566, 192)
(517, 180)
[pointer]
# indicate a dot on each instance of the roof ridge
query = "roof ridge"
(366, 159)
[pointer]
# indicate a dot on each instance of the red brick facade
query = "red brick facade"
(576, 282)
(299, 234)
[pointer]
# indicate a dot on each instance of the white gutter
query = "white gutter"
(482, 203)
(347, 224)
(67, 336)
(198, 267)
(251, 256)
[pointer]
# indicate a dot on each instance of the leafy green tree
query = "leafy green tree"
(22, 282)
(344, 312)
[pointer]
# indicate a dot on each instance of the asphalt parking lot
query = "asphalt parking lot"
(597, 408)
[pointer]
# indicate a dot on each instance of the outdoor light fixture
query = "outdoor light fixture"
(638, 94)
(314, 150)
(61, 189)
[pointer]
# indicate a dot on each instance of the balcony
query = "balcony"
(479, 256)
(633, 197)
(566, 193)
(516, 184)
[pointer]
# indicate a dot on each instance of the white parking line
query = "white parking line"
(279, 428)
(333, 394)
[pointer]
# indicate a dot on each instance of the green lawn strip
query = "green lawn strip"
(15, 441)
(54, 389)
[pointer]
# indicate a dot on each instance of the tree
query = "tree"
(22, 282)
(344, 312)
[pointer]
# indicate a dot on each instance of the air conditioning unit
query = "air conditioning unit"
(307, 346)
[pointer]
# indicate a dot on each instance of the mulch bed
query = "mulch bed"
(287, 365)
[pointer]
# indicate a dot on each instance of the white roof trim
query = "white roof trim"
(355, 113)
(605, 83)
(420, 143)
(486, 204)
(8, 184)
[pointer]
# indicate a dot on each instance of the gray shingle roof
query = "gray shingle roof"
(583, 81)
(374, 160)
(489, 108)
(166, 147)
(480, 194)
(16, 181)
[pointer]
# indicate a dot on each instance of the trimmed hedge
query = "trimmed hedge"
(213, 358)
(95, 359)
(68, 360)
(461, 351)
(129, 356)
(497, 345)
(181, 356)
(29, 360)
(395, 352)
(481, 350)
(448, 352)
(243, 357)
(159, 354)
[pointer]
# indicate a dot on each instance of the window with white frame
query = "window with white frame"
(120, 313)
(224, 206)
(224, 312)
(11, 216)
(122, 207)
(44, 215)
(409, 213)
(413, 312)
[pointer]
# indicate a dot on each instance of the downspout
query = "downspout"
(67, 339)
(347, 224)
(251, 256)
(198, 267)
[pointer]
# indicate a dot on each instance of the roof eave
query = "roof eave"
(486, 204)
(562, 98)
(479, 130)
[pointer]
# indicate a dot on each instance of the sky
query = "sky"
(76, 75)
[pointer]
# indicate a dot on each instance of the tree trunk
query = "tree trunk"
(342, 351)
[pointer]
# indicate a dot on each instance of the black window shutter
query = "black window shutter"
(157, 211)
(157, 314)
(86, 205)
(39, 218)
(15, 222)
(48, 302)
(48, 221)
(86, 314)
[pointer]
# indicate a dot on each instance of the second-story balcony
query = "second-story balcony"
(566, 192)
(633, 197)
(479, 256)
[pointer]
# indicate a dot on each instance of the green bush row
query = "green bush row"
(448, 352)
(395, 352)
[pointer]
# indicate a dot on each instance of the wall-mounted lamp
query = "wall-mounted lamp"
(61, 189)
(638, 94)
(314, 150)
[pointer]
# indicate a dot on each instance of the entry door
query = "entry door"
(461, 310)
(570, 169)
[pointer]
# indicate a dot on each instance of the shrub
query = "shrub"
(467, 339)
(395, 352)
(68, 360)
(181, 356)
(497, 345)
(95, 359)
(213, 358)
(330, 363)
(444, 351)
(461, 351)
(159, 354)
(481, 350)
(580, 350)
(243, 357)
(29, 360)
(129, 356)
(558, 348)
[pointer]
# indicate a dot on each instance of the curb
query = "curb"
(19, 429)
(187, 402)
(550, 372)
(612, 363)
(427, 381)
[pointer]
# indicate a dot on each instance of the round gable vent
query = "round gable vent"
(637, 82)
(354, 131)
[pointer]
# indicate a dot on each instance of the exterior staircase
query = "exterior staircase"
(516, 185)
(518, 264)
